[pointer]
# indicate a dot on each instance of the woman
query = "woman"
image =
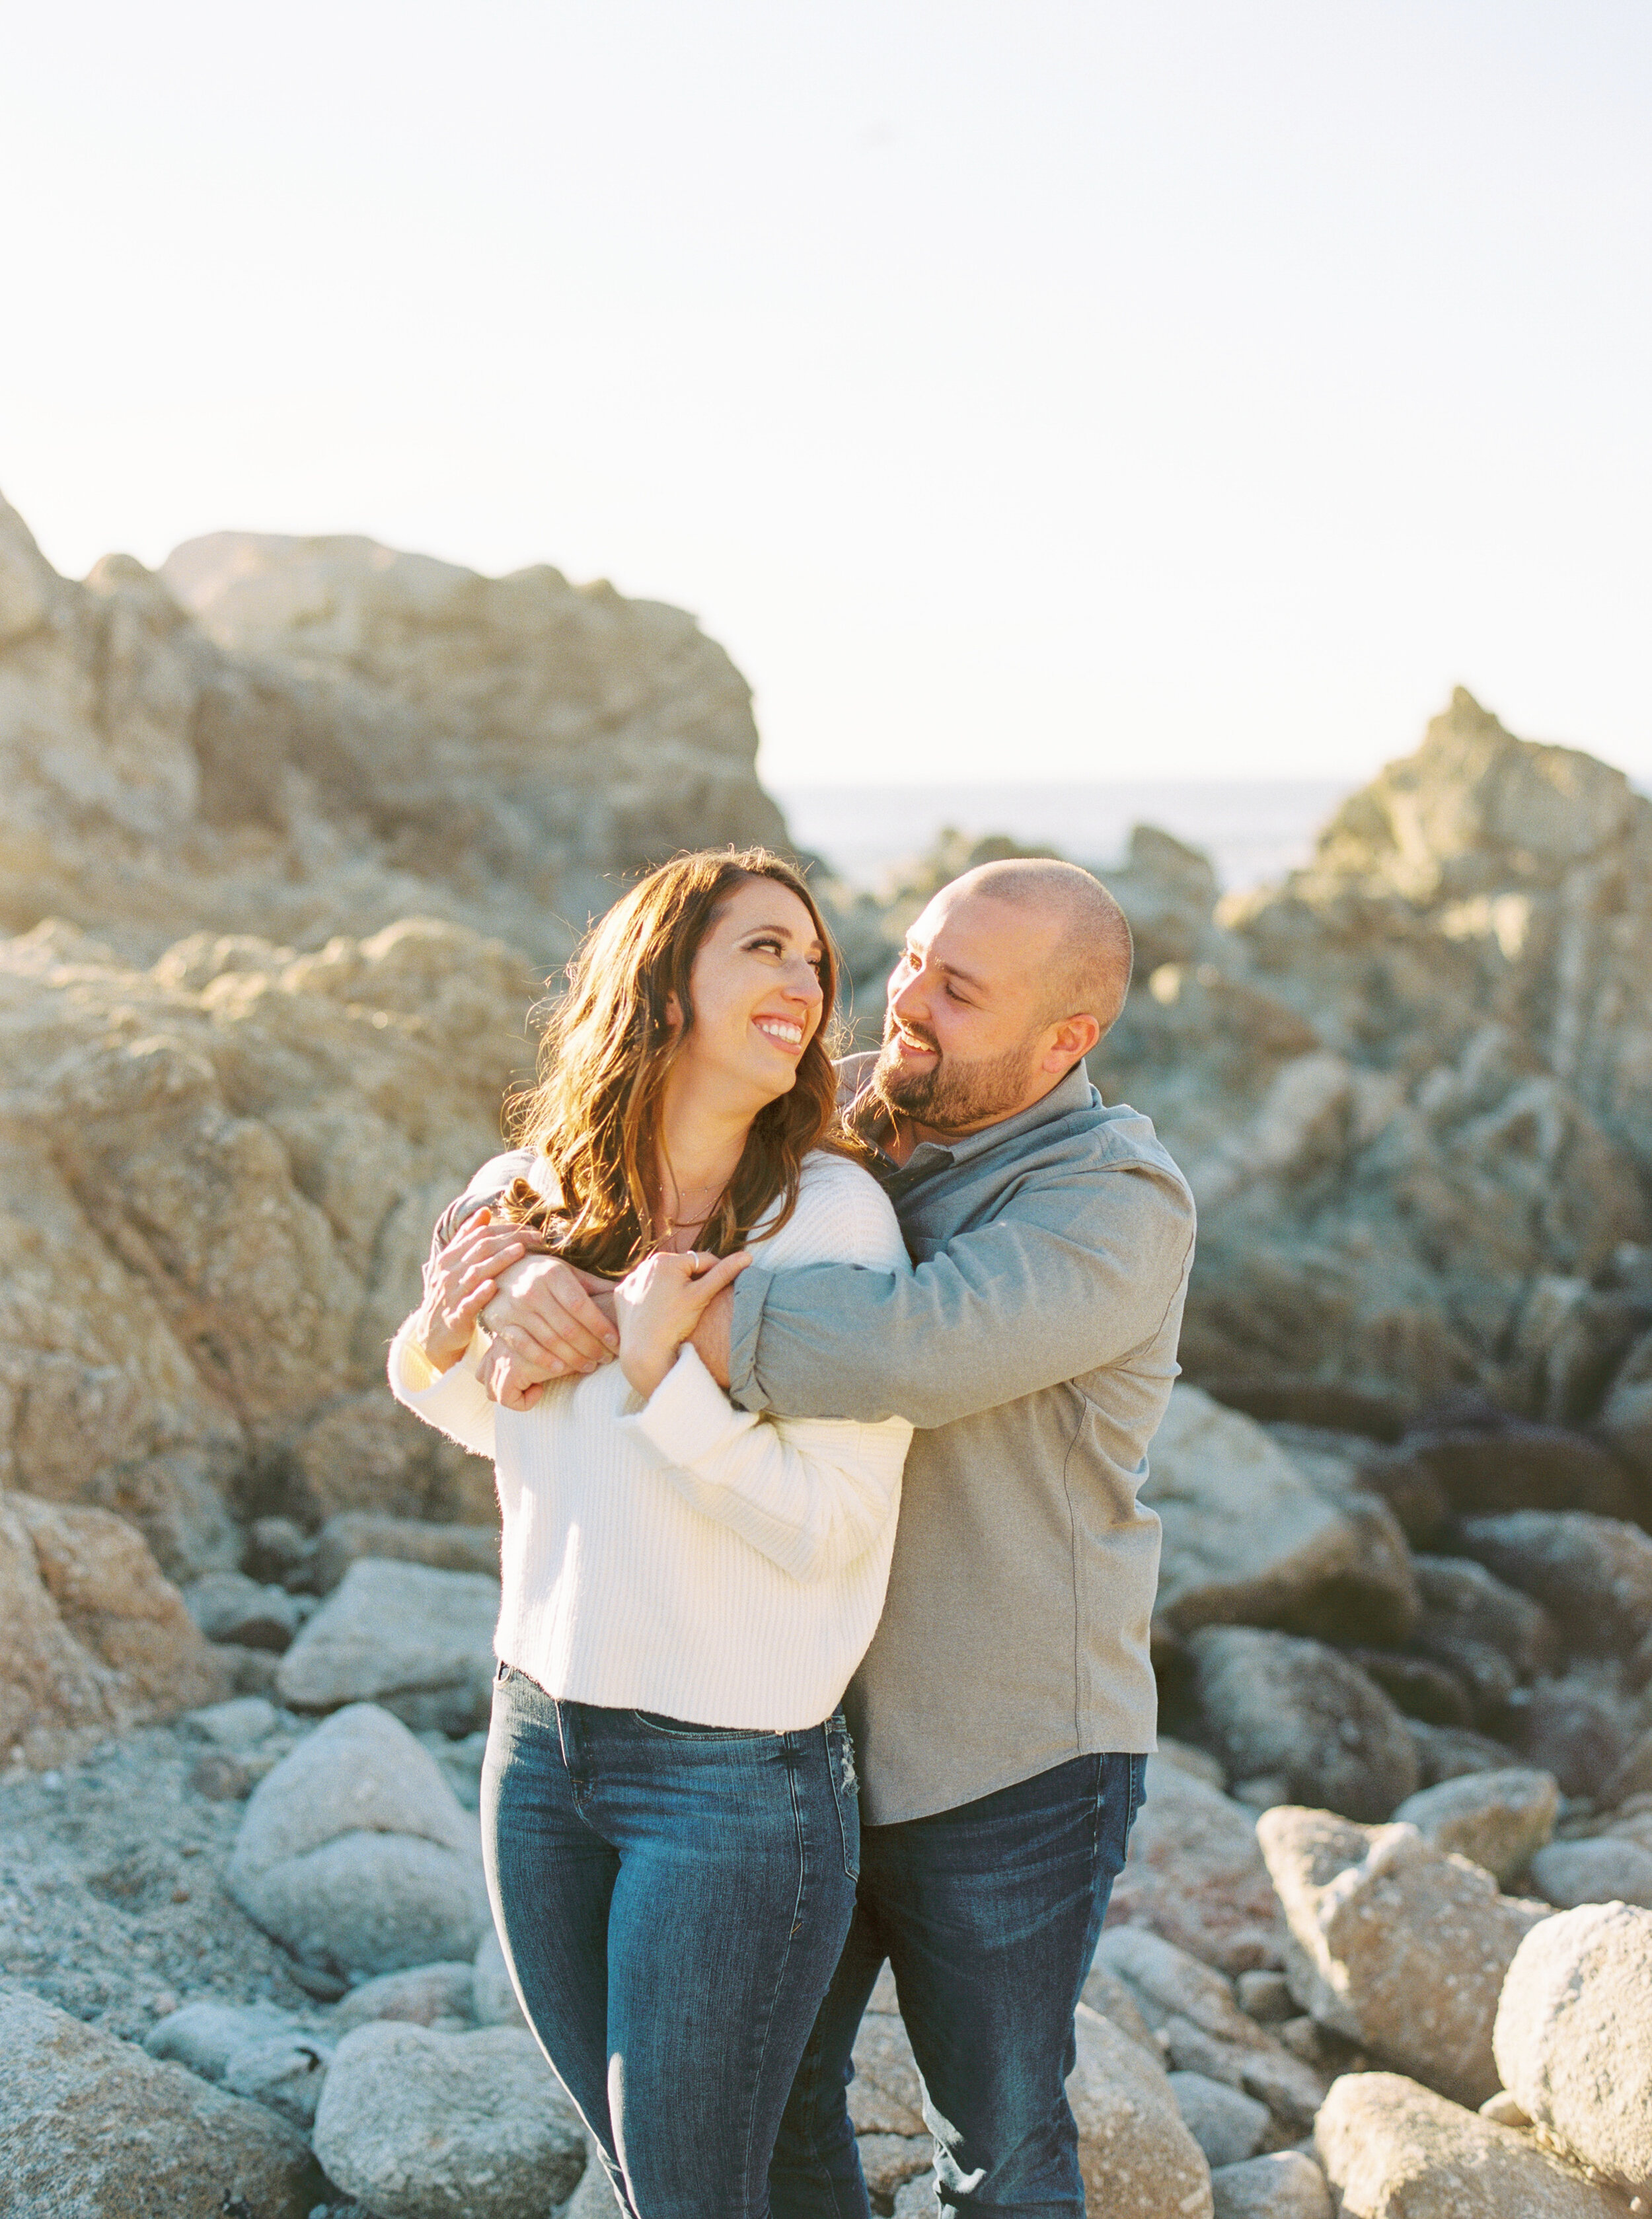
(670, 1815)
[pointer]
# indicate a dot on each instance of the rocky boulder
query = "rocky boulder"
(1573, 2037)
(1284, 2185)
(1461, 1117)
(1497, 1819)
(1138, 2157)
(327, 734)
(1510, 1464)
(92, 2129)
(355, 1533)
(1593, 1574)
(419, 2124)
(1490, 1636)
(1392, 2150)
(91, 1636)
(1305, 1719)
(222, 1175)
(355, 1854)
(1195, 1875)
(415, 1639)
(1396, 1944)
(1568, 1873)
(1248, 1539)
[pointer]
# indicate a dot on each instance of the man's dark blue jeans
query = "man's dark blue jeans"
(989, 1915)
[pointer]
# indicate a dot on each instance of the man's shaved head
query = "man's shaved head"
(1094, 952)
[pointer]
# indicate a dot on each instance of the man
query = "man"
(1003, 1710)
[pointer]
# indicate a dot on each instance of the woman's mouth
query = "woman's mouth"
(782, 1031)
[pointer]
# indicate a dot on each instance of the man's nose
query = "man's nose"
(908, 999)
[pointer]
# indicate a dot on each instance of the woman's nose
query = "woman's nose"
(804, 982)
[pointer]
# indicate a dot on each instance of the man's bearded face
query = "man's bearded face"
(952, 1094)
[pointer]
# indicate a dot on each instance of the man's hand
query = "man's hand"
(459, 1283)
(553, 1317)
(713, 1338)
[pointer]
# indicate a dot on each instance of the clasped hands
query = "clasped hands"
(547, 1320)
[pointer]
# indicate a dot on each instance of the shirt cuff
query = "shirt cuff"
(750, 1293)
(687, 1417)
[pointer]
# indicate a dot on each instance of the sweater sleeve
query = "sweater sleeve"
(1077, 1270)
(455, 1402)
(812, 1494)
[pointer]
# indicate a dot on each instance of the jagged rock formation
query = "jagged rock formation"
(1413, 1086)
(216, 1182)
(346, 736)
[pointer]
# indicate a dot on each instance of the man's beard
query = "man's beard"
(950, 1096)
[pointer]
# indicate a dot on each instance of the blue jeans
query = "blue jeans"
(989, 1915)
(672, 1899)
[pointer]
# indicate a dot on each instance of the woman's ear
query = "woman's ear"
(673, 1014)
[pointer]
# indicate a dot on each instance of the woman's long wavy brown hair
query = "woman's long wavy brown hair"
(608, 1051)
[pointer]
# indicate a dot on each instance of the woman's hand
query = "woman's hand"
(460, 1283)
(659, 1305)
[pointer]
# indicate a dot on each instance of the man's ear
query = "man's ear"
(1070, 1042)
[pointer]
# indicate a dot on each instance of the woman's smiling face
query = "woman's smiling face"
(757, 996)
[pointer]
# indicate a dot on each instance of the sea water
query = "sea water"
(1253, 831)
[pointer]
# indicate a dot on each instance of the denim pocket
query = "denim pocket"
(686, 1730)
(846, 1790)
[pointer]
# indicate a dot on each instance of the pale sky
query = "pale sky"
(1019, 388)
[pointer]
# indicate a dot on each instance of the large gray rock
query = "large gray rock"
(284, 2071)
(1188, 2010)
(423, 2125)
(1498, 1819)
(1396, 1945)
(1248, 1539)
(355, 1854)
(1168, 1982)
(889, 2161)
(229, 1607)
(493, 1997)
(1297, 1712)
(1573, 2036)
(92, 2129)
(1594, 1574)
(414, 1639)
(1195, 1875)
(423, 1995)
(1285, 2184)
(1579, 1727)
(356, 1534)
(1492, 1636)
(1603, 1870)
(1514, 1465)
(1392, 2150)
(885, 2096)
(1138, 2159)
(205, 2035)
(1227, 2124)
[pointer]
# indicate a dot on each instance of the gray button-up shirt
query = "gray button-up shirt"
(1033, 1347)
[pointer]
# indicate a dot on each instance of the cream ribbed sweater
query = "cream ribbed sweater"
(680, 1556)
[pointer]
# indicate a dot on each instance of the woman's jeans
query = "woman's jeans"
(672, 1899)
(989, 1915)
